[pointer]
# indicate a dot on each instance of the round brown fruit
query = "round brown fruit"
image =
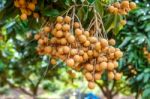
(111, 75)
(73, 52)
(48, 49)
(112, 42)
(67, 19)
(70, 62)
(31, 6)
(110, 66)
(115, 64)
(111, 9)
(82, 38)
(87, 43)
(103, 65)
(91, 85)
(23, 16)
(53, 62)
(66, 27)
(89, 67)
(104, 42)
(78, 32)
(77, 58)
(58, 26)
(71, 39)
(98, 46)
(59, 19)
(76, 24)
(46, 29)
(118, 76)
(93, 39)
(66, 49)
(132, 5)
(97, 76)
(125, 4)
(118, 54)
(63, 41)
(37, 36)
(88, 76)
(59, 33)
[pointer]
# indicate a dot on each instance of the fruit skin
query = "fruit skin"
(47, 29)
(82, 38)
(103, 66)
(97, 76)
(37, 36)
(111, 9)
(78, 32)
(23, 16)
(91, 85)
(76, 24)
(67, 19)
(88, 76)
(53, 62)
(118, 76)
(111, 75)
(112, 42)
(70, 62)
(31, 6)
(71, 39)
(59, 19)
(132, 5)
(89, 67)
(110, 66)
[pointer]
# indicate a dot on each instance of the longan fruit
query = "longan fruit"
(78, 32)
(98, 46)
(46, 29)
(59, 33)
(110, 66)
(81, 52)
(93, 39)
(95, 53)
(66, 27)
(86, 33)
(118, 76)
(58, 26)
(85, 56)
(76, 25)
(111, 49)
(36, 36)
(53, 62)
(81, 59)
(82, 38)
(59, 19)
(97, 67)
(23, 16)
(116, 4)
(118, 54)
(31, 6)
(88, 76)
(90, 53)
(132, 5)
(70, 62)
(116, 10)
(73, 52)
(47, 49)
(76, 58)
(110, 75)
(63, 41)
(87, 43)
(111, 9)
(67, 19)
(41, 42)
(66, 49)
(67, 34)
(125, 4)
(104, 42)
(60, 51)
(97, 76)
(71, 39)
(112, 42)
(123, 22)
(103, 65)
(115, 64)
(89, 67)
(91, 85)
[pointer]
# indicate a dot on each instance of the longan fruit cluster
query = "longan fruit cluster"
(27, 8)
(122, 7)
(80, 50)
(146, 53)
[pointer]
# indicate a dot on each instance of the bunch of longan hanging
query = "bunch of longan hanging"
(26, 7)
(122, 7)
(80, 49)
(146, 53)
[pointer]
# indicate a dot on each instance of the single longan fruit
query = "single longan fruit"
(48, 49)
(87, 43)
(66, 27)
(86, 33)
(125, 4)
(37, 36)
(112, 42)
(63, 41)
(98, 46)
(116, 4)
(93, 39)
(58, 26)
(70, 62)
(81, 59)
(82, 38)
(36, 15)
(118, 54)
(111, 9)
(59, 19)
(110, 66)
(132, 5)
(78, 32)
(118, 76)
(123, 22)
(116, 10)
(31, 6)
(71, 39)
(81, 52)
(104, 42)
(115, 64)
(103, 65)
(73, 52)
(95, 53)
(76, 25)
(97, 76)
(89, 67)
(53, 62)
(85, 56)
(41, 42)
(91, 85)
(111, 75)
(97, 67)
(59, 33)
(46, 29)
(23, 16)
(66, 49)
(67, 19)
(90, 53)
(60, 51)
(88, 76)
(76, 58)
(111, 49)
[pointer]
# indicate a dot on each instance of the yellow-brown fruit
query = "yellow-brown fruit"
(115, 64)
(118, 76)
(93, 39)
(37, 36)
(31, 6)
(111, 75)
(63, 41)
(103, 65)
(41, 42)
(45, 40)
(60, 51)
(78, 32)
(47, 29)
(59, 19)
(81, 59)
(59, 33)
(122, 12)
(48, 49)
(98, 46)
(66, 49)
(86, 33)
(53, 40)
(88, 76)
(76, 58)
(82, 38)
(73, 52)
(66, 27)
(116, 4)
(81, 52)
(58, 26)
(112, 42)
(123, 22)
(132, 5)
(76, 24)
(89, 67)
(67, 19)
(97, 67)
(70, 62)
(53, 62)
(118, 54)
(95, 53)
(111, 9)
(90, 53)
(97, 76)
(104, 42)
(23, 16)
(111, 49)
(71, 39)
(67, 34)
(22, 2)
(36, 15)
(91, 85)
(116, 10)
(110, 66)
(87, 44)
(125, 4)
(85, 56)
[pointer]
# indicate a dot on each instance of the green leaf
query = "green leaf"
(50, 12)
(90, 1)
